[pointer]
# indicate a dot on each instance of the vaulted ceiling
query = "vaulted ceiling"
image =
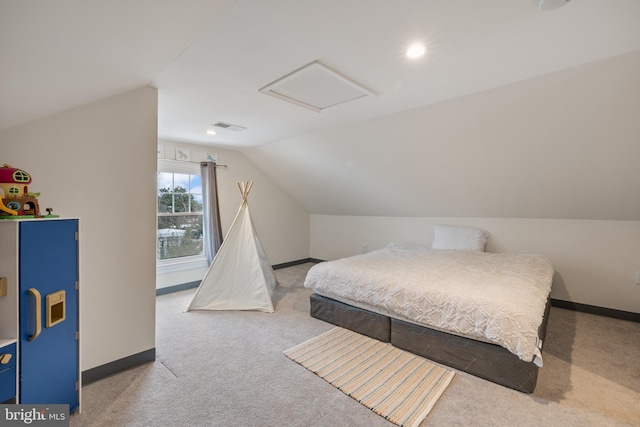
(471, 46)
(209, 59)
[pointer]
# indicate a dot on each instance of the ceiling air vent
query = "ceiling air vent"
(316, 87)
(551, 4)
(229, 126)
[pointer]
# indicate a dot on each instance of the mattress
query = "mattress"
(496, 298)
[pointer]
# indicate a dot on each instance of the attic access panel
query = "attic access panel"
(316, 87)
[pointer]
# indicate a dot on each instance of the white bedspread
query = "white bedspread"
(499, 298)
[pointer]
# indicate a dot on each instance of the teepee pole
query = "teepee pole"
(245, 188)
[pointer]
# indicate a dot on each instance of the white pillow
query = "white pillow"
(458, 237)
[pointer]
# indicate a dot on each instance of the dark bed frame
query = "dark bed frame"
(489, 361)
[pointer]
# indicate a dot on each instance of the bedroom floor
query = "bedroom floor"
(227, 369)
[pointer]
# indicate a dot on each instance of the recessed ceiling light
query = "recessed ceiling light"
(211, 132)
(416, 50)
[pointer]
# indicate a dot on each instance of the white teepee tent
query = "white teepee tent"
(240, 276)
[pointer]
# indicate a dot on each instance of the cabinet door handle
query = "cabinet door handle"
(38, 308)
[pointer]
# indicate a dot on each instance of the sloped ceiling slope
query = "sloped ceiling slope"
(565, 146)
(57, 55)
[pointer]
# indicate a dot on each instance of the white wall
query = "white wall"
(595, 261)
(98, 162)
(282, 224)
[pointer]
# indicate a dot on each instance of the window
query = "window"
(21, 176)
(180, 230)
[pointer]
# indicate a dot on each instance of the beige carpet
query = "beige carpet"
(393, 383)
(226, 369)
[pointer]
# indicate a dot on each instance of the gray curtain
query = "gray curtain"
(210, 210)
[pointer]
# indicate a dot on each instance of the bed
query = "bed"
(482, 313)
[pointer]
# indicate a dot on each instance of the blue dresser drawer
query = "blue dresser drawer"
(7, 372)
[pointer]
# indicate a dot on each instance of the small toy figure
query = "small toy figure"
(15, 198)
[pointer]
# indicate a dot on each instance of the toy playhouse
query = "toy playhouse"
(15, 199)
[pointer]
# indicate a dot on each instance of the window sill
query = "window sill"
(186, 263)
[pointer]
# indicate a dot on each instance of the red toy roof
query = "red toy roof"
(9, 175)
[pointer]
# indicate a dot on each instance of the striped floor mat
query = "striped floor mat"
(393, 383)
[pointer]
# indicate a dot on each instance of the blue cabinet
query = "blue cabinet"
(46, 283)
(7, 372)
